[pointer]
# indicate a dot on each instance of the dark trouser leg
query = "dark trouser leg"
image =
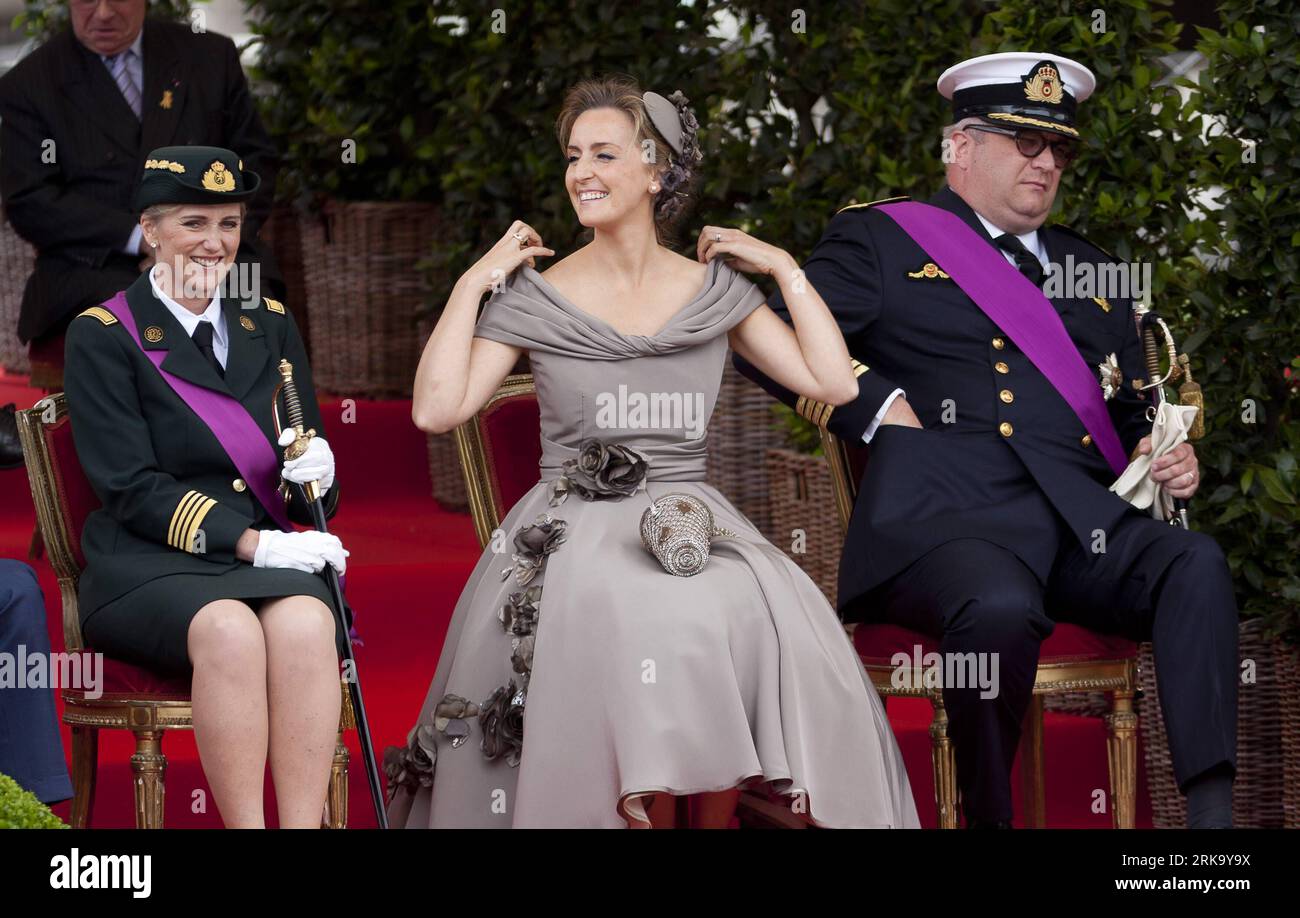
(1172, 586)
(976, 597)
(31, 751)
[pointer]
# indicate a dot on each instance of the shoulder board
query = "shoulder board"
(100, 313)
(1082, 238)
(274, 305)
(901, 197)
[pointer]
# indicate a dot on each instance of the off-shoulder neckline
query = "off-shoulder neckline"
(715, 267)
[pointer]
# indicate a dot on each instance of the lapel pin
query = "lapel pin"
(166, 99)
(153, 334)
(930, 271)
(246, 322)
(1102, 302)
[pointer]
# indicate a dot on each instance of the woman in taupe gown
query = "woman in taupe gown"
(635, 685)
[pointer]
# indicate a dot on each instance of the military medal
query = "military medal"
(1111, 377)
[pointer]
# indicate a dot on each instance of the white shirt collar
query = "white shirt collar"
(137, 46)
(190, 321)
(1030, 239)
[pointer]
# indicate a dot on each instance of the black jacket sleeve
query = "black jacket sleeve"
(246, 135)
(845, 269)
(37, 200)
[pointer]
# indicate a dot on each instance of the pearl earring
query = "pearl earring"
(654, 189)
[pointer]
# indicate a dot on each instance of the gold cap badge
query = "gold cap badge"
(153, 334)
(1044, 86)
(219, 178)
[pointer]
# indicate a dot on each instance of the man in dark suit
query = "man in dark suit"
(984, 515)
(31, 751)
(77, 117)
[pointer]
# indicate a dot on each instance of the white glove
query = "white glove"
(316, 464)
(306, 551)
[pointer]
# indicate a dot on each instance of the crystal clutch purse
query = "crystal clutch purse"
(678, 530)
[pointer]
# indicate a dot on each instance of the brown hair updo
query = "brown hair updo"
(677, 174)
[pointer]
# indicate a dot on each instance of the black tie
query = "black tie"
(1026, 261)
(203, 338)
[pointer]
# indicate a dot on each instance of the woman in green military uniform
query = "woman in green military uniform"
(187, 568)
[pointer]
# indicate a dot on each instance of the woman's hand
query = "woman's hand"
(307, 551)
(316, 464)
(742, 251)
(520, 244)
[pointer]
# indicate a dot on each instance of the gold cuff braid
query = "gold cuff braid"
(819, 413)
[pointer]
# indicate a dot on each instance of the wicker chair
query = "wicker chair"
(1073, 659)
(132, 698)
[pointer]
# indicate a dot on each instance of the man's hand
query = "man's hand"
(901, 413)
(1177, 470)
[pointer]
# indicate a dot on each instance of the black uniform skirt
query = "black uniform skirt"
(149, 626)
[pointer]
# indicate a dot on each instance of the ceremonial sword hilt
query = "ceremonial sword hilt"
(293, 408)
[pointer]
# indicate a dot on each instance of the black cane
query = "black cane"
(1150, 322)
(310, 494)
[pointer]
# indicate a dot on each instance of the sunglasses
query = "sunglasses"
(1030, 144)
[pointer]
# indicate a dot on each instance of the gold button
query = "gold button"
(1006, 396)
(1005, 428)
(999, 343)
(1087, 440)
(238, 485)
(1001, 367)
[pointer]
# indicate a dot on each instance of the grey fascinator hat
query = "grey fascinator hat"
(675, 122)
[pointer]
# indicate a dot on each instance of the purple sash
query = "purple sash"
(1017, 307)
(235, 429)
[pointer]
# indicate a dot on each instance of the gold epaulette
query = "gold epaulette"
(100, 313)
(819, 413)
(901, 197)
(274, 305)
(187, 518)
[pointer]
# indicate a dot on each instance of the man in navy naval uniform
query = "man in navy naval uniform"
(984, 515)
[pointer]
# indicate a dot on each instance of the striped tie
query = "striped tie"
(118, 64)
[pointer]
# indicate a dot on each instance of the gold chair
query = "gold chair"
(132, 698)
(1073, 659)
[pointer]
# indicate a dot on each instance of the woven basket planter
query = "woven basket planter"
(802, 498)
(364, 292)
(16, 261)
(1288, 670)
(741, 430)
(1257, 792)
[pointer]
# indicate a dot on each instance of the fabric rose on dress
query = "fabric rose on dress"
(532, 544)
(411, 766)
(519, 614)
(502, 723)
(521, 656)
(601, 472)
(451, 718)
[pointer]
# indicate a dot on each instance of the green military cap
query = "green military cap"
(194, 175)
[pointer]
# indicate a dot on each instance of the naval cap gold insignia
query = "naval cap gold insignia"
(1044, 85)
(153, 334)
(219, 178)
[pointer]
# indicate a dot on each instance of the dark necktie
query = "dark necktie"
(1026, 261)
(203, 339)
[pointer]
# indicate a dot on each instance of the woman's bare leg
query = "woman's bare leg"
(304, 698)
(228, 695)
(716, 810)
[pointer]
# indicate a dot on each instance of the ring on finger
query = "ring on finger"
(717, 237)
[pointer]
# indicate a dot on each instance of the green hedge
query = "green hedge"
(19, 809)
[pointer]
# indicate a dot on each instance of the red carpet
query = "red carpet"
(409, 560)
